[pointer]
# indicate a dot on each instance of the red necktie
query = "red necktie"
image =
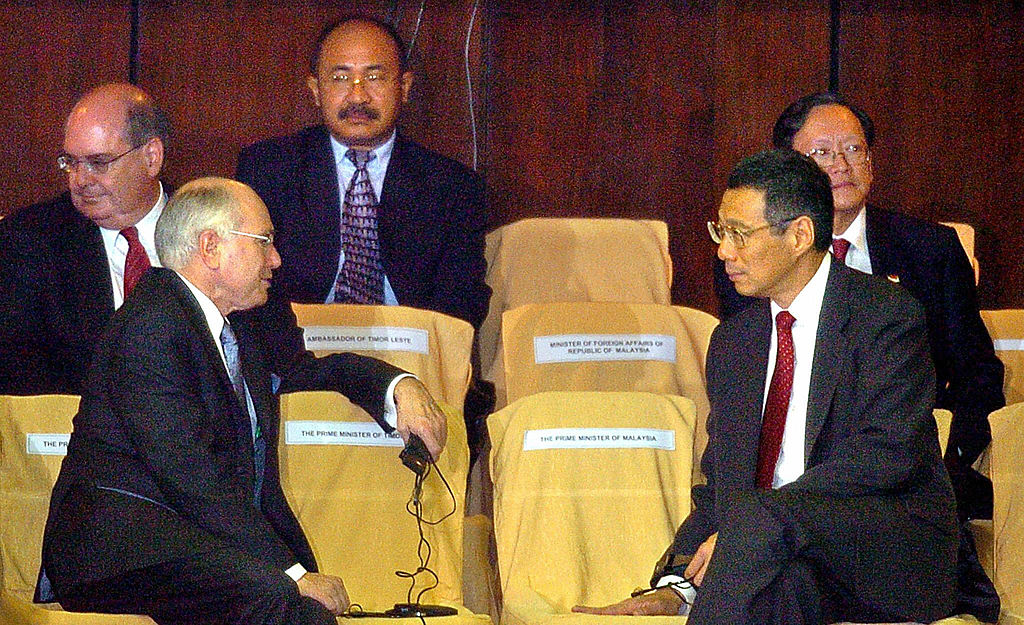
(839, 249)
(136, 263)
(777, 405)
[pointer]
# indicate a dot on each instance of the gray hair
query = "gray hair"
(203, 204)
(145, 120)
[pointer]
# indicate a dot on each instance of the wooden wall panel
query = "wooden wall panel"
(944, 90)
(640, 109)
(52, 52)
(231, 73)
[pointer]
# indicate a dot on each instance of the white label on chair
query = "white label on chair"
(601, 347)
(599, 438)
(1008, 345)
(47, 444)
(375, 338)
(361, 433)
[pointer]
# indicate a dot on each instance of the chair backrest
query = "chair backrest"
(589, 488)
(569, 259)
(347, 486)
(1007, 330)
(1007, 473)
(431, 345)
(965, 232)
(609, 346)
(34, 432)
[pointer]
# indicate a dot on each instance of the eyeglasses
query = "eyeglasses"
(371, 81)
(265, 240)
(855, 154)
(93, 164)
(720, 232)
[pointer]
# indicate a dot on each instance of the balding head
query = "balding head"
(114, 142)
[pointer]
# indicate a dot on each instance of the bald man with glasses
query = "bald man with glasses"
(68, 263)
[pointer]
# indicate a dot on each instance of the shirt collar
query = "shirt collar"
(856, 233)
(214, 319)
(383, 152)
(807, 303)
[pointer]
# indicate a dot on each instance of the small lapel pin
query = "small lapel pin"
(893, 278)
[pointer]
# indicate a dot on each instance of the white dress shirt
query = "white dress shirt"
(116, 247)
(806, 309)
(857, 257)
(377, 168)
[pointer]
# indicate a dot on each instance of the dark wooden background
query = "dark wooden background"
(580, 108)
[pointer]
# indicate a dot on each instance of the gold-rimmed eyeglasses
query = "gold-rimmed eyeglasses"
(854, 154)
(736, 236)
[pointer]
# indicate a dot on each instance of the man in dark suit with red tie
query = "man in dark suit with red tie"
(923, 257)
(169, 501)
(826, 498)
(68, 263)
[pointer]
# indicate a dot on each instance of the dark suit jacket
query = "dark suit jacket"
(432, 223)
(932, 266)
(870, 429)
(55, 297)
(160, 463)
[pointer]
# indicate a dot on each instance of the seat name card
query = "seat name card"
(1008, 345)
(599, 438)
(359, 433)
(603, 347)
(47, 444)
(373, 338)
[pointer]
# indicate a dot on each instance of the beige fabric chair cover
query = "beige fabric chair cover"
(1007, 472)
(351, 500)
(33, 439)
(565, 260)
(395, 334)
(524, 327)
(585, 525)
(965, 232)
(1007, 330)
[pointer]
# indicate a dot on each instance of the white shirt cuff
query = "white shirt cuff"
(296, 571)
(682, 588)
(390, 411)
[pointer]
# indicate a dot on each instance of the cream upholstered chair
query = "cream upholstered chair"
(965, 232)
(1007, 546)
(1007, 330)
(609, 346)
(566, 259)
(432, 345)
(349, 490)
(33, 440)
(589, 488)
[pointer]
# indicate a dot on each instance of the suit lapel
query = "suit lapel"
(742, 402)
(830, 347)
(321, 212)
(85, 256)
(881, 248)
(395, 199)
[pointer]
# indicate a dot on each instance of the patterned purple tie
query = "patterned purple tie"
(361, 279)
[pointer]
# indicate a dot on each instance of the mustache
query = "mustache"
(358, 109)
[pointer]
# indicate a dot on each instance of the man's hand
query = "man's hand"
(698, 566)
(327, 589)
(419, 414)
(661, 602)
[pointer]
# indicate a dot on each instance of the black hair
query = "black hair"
(795, 116)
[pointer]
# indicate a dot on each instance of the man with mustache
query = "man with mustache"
(364, 215)
(66, 264)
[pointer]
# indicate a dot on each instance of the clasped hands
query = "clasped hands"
(664, 601)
